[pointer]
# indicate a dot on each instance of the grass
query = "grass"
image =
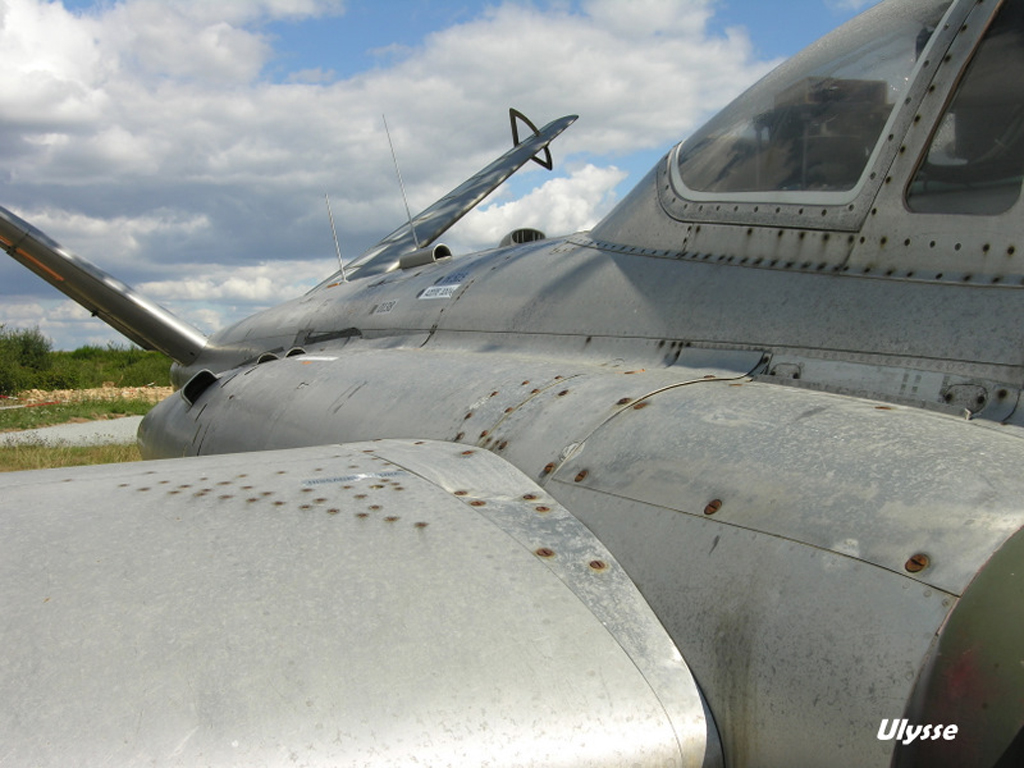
(62, 413)
(39, 456)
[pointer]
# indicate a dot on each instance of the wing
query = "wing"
(434, 221)
(383, 603)
(146, 323)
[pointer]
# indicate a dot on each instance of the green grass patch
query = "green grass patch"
(40, 456)
(87, 410)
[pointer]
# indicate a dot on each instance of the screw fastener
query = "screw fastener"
(917, 563)
(713, 506)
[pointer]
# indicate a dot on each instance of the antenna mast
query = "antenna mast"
(334, 232)
(401, 184)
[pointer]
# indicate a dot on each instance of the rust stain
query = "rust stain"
(713, 506)
(917, 563)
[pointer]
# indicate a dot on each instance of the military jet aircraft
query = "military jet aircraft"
(734, 478)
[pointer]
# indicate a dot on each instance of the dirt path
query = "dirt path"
(37, 396)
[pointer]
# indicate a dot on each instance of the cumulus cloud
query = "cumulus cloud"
(557, 207)
(149, 137)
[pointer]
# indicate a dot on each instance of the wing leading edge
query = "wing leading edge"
(143, 321)
(382, 603)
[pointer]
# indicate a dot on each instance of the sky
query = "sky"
(186, 146)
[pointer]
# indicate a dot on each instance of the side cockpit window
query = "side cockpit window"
(813, 124)
(975, 161)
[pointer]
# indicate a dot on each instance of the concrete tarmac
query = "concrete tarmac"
(107, 432)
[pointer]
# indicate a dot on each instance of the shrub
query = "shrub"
(28, 362)
(24, 353)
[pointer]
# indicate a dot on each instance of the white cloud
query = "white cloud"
(558, 207)
(147, 137)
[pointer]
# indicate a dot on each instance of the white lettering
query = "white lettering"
(882, 734)
(902, 730)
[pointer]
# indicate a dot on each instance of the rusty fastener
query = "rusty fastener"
(548, 468)
(477, 503)
(713, 506)
(542, 509)
(582, 475)
(529, 496)
(598, 565)
(625, 401)
(917, 563)
(640, 406)
(544, 552)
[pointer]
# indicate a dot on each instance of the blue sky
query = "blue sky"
(185, 146)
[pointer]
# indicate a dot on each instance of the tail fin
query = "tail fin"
(147, 324)
(431, 223)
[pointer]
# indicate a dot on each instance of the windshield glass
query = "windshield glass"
(812, 124)
(975, 160)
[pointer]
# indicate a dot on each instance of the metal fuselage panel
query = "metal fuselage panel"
(804, 545)
(822, 502)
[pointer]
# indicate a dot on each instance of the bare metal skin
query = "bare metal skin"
(731, 479)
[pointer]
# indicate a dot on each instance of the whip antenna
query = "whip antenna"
(401, 184)
(334, 232)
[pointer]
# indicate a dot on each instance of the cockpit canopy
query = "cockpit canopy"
(813, 123)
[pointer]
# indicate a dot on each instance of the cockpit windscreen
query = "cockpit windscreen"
(812, 124)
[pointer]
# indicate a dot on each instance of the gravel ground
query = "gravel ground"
(101, 432)
(109, 431)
